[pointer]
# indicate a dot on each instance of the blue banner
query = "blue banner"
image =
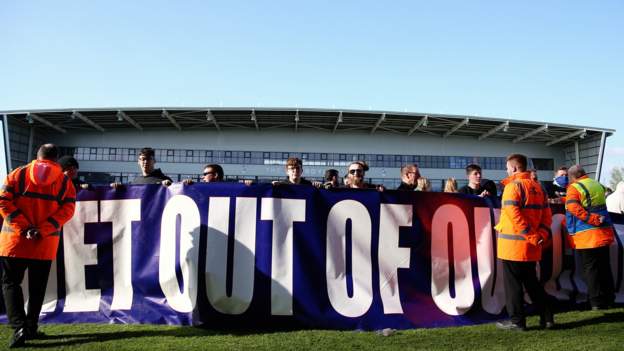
(230, 255)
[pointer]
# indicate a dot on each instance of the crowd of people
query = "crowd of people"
(38, 198)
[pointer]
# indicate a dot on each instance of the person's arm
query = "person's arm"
(511, 203)
(574, 206)
(64, 213)
(11, 214)
(546, 220)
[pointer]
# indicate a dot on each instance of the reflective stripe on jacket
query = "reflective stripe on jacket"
(585, 204)
(525, 219)
(40, 196)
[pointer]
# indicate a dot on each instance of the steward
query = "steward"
(35, 201)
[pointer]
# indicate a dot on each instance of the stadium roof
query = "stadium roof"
(295, 119)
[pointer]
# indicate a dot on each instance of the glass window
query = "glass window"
(228, 154)
(170, 153)
(247, 154)
(323, 156)
(189, 153)
(93, 151)
(343, 157)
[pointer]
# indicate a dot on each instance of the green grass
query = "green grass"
(586, 330)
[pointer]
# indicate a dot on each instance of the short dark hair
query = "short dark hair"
(519, 160)
(48, 152)
(330, 173)
(217, 168)
(294, 161)
(68, 161)
(473, 167)
(148, 152)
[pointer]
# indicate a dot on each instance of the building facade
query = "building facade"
(254, 143)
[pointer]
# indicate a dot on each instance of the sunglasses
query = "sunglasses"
(354, 171)
(207, 173)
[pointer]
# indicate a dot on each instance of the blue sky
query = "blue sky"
(551, 61)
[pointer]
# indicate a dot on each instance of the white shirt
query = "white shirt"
(615, 201)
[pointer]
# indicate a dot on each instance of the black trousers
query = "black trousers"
(12, 275)
(519, 275)
(597, 275)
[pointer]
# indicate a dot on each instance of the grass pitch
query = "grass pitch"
(578, 330)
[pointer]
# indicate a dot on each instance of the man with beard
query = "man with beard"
(355, 174)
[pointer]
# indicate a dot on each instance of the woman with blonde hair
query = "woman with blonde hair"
(451, 185)
(423, 184)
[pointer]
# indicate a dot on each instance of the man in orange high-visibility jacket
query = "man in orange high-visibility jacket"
(35, 201)
(591, 231)
(523, 227)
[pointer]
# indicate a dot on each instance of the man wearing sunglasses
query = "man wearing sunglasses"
(355, 174)
(212, 173)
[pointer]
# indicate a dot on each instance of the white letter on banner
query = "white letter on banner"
(492, 291)
(121, 213)
(336, 265)
(283, 212)
(181, 301)
(244, 254)
(77, 255)
(391, 255)
(464, 292)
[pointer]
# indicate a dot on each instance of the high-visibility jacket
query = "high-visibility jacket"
(39, 196)
(585, 203)
(524, 221)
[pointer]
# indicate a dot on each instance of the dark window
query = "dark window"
(170, 152)
(247, 154)
(209, 153)
(323, 156)
(189, 153)
(304, 156)
(112, 151)
(380, 157)
(343, 157)
(228, 154)
(93, 151)
(284, 154)
(266, 155)
(544, 164)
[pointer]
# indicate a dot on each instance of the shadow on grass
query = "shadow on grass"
(604, 317)
(600, 318)
(74, 339)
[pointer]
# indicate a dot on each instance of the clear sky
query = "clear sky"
(551, 61)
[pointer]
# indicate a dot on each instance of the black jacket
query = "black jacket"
(405, 186)
(156, 177)
(302, 181)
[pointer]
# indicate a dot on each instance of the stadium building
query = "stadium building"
(253, 143)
